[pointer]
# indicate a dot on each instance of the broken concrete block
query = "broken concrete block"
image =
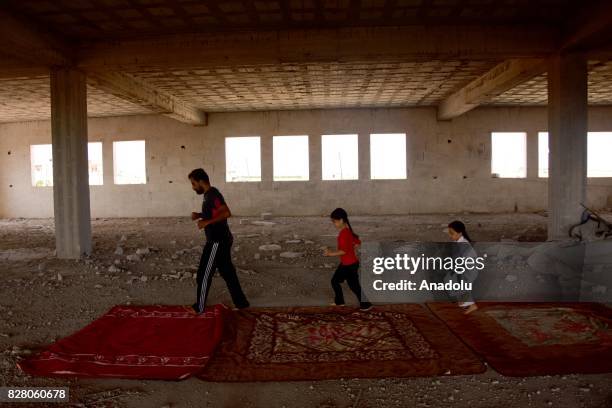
(119, 251)
(266, 216)
(270, 247)
(257, 256)
(142, 251)
(133, 258)
(290, 255)
(264, 223)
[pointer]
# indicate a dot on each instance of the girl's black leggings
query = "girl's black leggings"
(350, 274)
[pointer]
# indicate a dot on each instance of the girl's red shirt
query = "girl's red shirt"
(346, 243)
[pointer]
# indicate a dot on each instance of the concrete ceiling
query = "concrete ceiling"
(217, 56)
(535, 92)
(29, 98)
(85, 20)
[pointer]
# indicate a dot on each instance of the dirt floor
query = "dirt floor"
(43, 299)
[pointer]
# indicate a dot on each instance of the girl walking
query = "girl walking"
(458, 233)
(348, 270)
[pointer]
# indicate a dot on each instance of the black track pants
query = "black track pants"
(218, 255)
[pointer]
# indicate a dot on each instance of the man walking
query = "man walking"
(219, 240)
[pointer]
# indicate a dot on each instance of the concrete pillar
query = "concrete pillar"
(567, 129)
(532, 154)
(70, 169)
(363, 149)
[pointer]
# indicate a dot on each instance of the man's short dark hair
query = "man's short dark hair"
(199, 175)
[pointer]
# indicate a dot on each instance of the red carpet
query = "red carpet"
(153, 342)
(315, 343)
(521, 339)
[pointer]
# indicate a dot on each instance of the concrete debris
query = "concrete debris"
(133, 258)
(264, 223)
(290, 255)
(25, 254)
(143, 251)
(119, 251)
(266, 216)
(270, 247)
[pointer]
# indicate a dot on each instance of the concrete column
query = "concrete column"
(70, 170)
(315, 152)
(567, 129)
(364, 155)
(532, 154)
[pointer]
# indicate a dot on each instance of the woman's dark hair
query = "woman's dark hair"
(341, 214)
(460, 227)
(199, 175)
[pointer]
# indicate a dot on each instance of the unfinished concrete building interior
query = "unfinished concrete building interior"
(408, 114)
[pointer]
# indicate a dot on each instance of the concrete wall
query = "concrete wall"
(448, 164)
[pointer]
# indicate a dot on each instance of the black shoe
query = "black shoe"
(364, 307)
(242, 306)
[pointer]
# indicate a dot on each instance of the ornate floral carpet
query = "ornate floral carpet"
(155, 342)
(519, 339)
(338, 342)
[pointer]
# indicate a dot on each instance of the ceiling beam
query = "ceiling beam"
(410, 43)
(38, 49)
(497, 80)
(10, 68)
(595, 20)
(20, 40)
(141, 93)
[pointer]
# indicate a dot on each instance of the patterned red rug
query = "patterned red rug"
(154, 342)
(520, 339)
(314, 343)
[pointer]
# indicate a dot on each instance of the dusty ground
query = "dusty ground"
(43, 298)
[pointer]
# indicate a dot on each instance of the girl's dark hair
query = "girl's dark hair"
(341, 214)
(460, 227)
